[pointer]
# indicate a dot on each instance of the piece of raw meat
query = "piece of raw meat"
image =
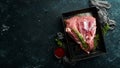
(82, 30)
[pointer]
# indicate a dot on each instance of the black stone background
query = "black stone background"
(27, 26)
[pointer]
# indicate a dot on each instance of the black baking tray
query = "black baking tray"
(73, 51)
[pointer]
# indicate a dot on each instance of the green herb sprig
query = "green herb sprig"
(105, 28)
(80, 38)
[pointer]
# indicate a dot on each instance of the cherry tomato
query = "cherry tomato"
(59, 52)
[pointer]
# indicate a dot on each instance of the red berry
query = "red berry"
(59, 52)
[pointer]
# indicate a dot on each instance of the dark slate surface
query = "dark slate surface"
(26, 27)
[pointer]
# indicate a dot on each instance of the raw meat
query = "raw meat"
(85, 26)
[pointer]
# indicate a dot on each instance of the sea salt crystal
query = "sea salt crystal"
(5, 27)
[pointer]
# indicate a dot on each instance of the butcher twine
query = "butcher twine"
(103, 5)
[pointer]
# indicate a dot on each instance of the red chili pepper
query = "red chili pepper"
(59, 52)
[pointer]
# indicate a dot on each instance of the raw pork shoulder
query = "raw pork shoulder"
(82, 30)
